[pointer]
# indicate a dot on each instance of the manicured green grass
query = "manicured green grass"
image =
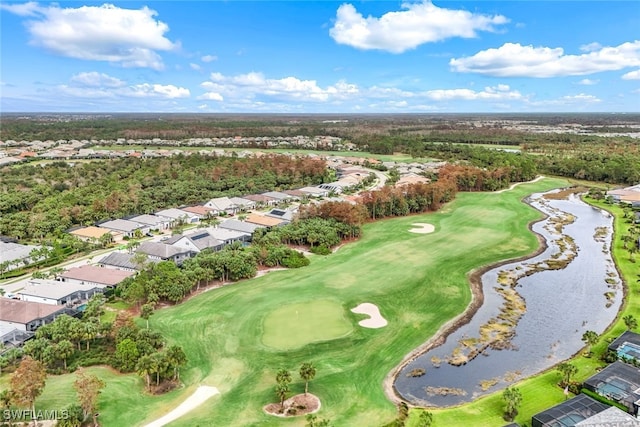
(419, 282)
(314, 321)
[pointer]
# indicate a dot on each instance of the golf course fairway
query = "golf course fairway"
(237, 337)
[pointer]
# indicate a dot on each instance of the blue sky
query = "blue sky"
(320, 56)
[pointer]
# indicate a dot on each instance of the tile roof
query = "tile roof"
(263, 220)
(91, 232)
(121, 260)
(23, 312)
(122, 225)
(91, 273)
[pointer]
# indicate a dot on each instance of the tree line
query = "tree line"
(44, 201)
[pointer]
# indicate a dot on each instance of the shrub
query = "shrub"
(320, 250)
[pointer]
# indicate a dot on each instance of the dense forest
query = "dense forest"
(38, 201)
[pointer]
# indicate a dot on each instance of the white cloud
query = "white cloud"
(95, 79)
(147, 90)
(195, 66)
(632, 75)
(209, 58)
(515, 60)
(588, 82)
(102, 86)
(22, 9)
(255, 85)
(581, 97)
(128, 37)
(500, 92)
(416, 24)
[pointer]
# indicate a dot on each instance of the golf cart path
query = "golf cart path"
(538, 178)
(198, 397)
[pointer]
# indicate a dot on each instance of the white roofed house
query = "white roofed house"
(154, 222)
(221, 205)
(229, 236)
(163, 252)
(178, 215)
(241, 226)
(243, 204)
(57, 293)
(196, 242)
(126, 227)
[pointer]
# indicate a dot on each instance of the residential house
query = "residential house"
(125, 227)
(412, 178)
(261, 200)
(163, 252)
(177, 215)
(286, 215)
(265, 221)
(93, 233)
(315, 191)
(611, 417)
(627, 346)
(202, 212)
(569, 412)
(619, 382)
(57, 293)
(26, 315)
(154, 222)
(15, 254)
(123, 261)
(281, 197)
(242, 226)
(196, 242)
(94, 276)
(296, 194)
(229, 236)
(222, 205)
(243, 204)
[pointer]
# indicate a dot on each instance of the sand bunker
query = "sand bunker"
(422, 228)
(375, 318)
(196, 399)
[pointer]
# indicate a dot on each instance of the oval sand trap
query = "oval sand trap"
(375, 318)
(422, 228)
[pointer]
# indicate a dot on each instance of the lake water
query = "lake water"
(561, 304)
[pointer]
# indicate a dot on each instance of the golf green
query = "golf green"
(296, 325)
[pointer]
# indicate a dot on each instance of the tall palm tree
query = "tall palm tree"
(307, 373)
(144, 368)
(630, 322)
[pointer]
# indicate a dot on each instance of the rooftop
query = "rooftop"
(90, 232)
(51, 289)
(91, 273)
(234, 224)
(263, 220)
(160, 250)
(23, 312)
(123, 225)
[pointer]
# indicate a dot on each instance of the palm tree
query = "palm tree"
(65, 349)
(307, 373)
(282, 389)
(567, 370)
(176, 358)
(283, 376)
(513, 399)
(590, 338)
(145, 367)
(630, 322)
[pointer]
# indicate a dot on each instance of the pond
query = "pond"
(534, 312)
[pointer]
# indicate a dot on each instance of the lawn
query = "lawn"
(419, 282)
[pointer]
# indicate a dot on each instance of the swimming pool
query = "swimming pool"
(628, 350)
